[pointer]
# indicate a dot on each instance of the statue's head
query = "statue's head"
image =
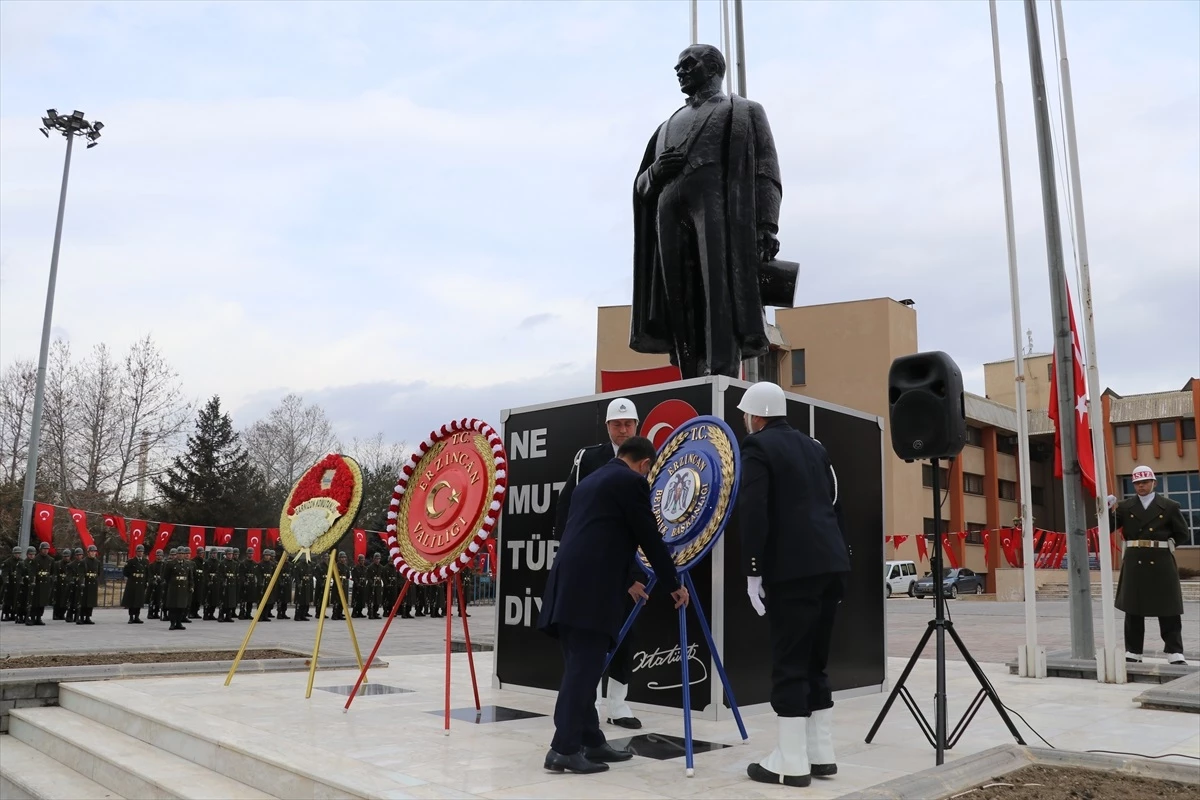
(699, 66)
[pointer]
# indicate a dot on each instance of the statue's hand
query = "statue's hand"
(768, 246)
(667, 165)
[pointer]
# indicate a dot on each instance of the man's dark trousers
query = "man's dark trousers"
(1171, 629)
(621, 666)
(576, 723)
(800, 614)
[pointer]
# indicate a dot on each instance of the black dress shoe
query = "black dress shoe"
(606, 753)
(633, 723)
(823, 770)
(576, 762)
(762, 775)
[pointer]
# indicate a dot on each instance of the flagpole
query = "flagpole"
(1031, 659)
(1110, 662)
(695, 21)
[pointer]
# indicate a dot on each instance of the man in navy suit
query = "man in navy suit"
(610, 518)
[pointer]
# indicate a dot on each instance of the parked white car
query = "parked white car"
(899, 577)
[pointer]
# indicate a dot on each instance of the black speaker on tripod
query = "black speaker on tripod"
(929, 421)
(926, 406)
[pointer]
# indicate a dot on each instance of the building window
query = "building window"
(1008, 490)
(927, 477)
(1006, 444)
(768, 368)
(1187, 429)
(972, 483)
(1037, 495)
(1121, 434)
(929, 526)
(974, 436)
(1166, 431)
(975, 532)
(1145, 433)
(1183, 488)
(798, 367)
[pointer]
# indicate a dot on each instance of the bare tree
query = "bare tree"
(289, 440)
(96, 432)
(154, 412)
(376, 456)
(17, 386)
(380, 463)
(58, 414)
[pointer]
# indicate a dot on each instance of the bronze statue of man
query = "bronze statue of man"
(706, 211)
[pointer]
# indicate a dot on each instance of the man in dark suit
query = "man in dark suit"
(621, 421)
(792, 541)
(1151, 525)
(610, 519)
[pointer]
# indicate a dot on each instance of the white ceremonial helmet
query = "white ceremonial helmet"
(764, 399)
(622, 408)
(1142, 473)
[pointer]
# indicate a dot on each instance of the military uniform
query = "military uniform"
(374, 586)
(213, 587)
(359, 587)
(9, 581)
(39, 585)
(391, 586)
(137, 582)
(87, 587)
(199, 585)
(248, 582)
(283, 589)
(62, 586)
(154, 594)
(302, 578)
(179, 577)
(230, 585)
(74, 572)
(334, 598)
(1149, 582)
(265, 571)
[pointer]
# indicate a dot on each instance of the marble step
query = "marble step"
(272, 764)
(26, 774)
(126, 765)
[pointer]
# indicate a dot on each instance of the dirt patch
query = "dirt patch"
(1071, 783)
(95, 659)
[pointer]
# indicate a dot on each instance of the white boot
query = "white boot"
(1176, 658)
(788, 763)
(619, 712)
(820, 743)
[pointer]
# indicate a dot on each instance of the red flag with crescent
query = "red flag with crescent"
(196, 538)
(898, 540)
(137, 535)
(987, 539)
(117, 524)
(494, 562)
(43, 523)
(922, 550)
(80, 519)
(254, 543)
(383, 535)
(165, 529)
(272, 537)
(949, 551)
(1008, 543)
(360, 543)
(223, 536)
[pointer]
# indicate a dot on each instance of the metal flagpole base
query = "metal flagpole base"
(1110, 666)
(1032, 664)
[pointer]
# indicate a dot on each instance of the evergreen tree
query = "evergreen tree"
(213, 482)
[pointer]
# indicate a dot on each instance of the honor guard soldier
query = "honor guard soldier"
(62, 586)
(374, 586)
(248, 583)
(74, 577)
(302, 579)
(40, 584)
(265, 570)
(621, 421)
(1152, 526)
(137, 581)
(794, 555)
(212, 592)
(230, 585)
(335, 599)
(199, 585)
(359, 585)
(391, 586)
(179, 576)
(88, 587)
(283, 590)
(154, 594)
(9, 580)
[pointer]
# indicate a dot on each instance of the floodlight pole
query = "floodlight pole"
(70, 127)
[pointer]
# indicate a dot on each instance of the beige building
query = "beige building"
(841, 352)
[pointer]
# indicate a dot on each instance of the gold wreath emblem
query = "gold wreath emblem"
(430, 509)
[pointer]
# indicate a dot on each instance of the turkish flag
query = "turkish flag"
(360, 543)
(987, 539)
(949, 551)
(490, 544)
(137, 535)
(165, 529)
(223, 536)
(922, 550)
(80, 520)
(272, 537)
(899, 540)
(43, 523)
(117, 524)
(616, 380)
(254, 543)
(1083, 429)
(383, 536)
(196, 538)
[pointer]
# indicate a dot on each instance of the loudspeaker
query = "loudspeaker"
(926, 406)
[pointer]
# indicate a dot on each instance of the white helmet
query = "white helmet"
(622, 408)
(1142, 473)
(764, 399)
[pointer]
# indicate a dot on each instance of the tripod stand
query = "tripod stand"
(936, 734)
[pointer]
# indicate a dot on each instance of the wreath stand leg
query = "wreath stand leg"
(257, 613)
(449, 618)
(312, 666)
(462, 612)
(362, 676)
(341, 590)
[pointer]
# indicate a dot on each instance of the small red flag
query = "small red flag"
(490, 544)
(137, 535)
(254, 543)
(43, 523)
(223, 536)
(949, 551)
(117, 524)
(80, 520)
(196, 538)
(1083, 428)
(922, 549)
(272, 537)
(899, 540)
(987, 539)
(360, 543)
(161, 538)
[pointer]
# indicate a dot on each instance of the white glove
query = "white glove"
(1111, 500)
(757, 594)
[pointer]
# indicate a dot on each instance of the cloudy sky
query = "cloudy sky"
(410, 211)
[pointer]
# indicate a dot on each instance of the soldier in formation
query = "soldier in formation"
(375, 580)
(248, 573)
(302, 577)
(137, 583)
(230, 584)
(199, 586)
(87, 586)
(179, 576)
(9, 583)
(334, 598)
(39, 582)
(62, 587)
(265, 571)
(283, 589)
(157, 589)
